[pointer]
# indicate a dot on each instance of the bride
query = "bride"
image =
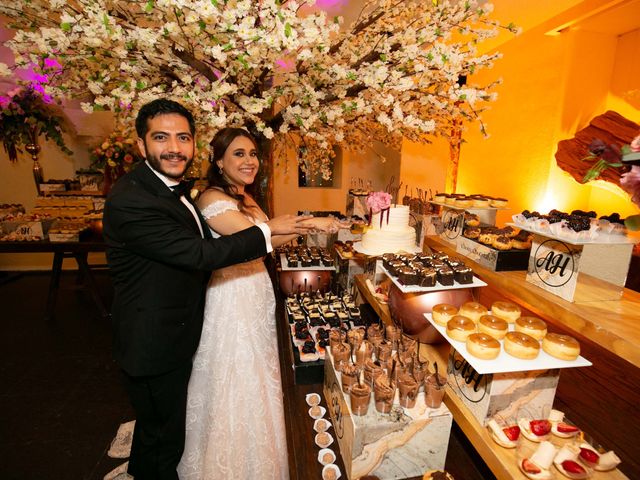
(235, 419)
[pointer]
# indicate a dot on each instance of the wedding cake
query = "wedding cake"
(389, 232)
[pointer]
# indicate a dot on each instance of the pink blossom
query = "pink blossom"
(635, 144)
(630, 182)
(378, 201)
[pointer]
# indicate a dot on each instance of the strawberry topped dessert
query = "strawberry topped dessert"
(535, 430)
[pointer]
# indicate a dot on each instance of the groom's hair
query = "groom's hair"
(161, 106)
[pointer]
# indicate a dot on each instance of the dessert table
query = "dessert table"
(77, 250)
(501, 461)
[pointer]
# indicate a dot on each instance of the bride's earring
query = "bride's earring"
(220, 170)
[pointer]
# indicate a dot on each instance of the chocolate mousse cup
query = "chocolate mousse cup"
(434, 391)
(349, 377)
(341, 353)
(355, 337)
(383, 394)
(364, 352)
(360, 396)
(383, 351)
(336, 336)
(420, 371)
(393, 336)
(408, 388)
(371, 371)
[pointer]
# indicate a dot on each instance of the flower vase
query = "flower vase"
(33, 149)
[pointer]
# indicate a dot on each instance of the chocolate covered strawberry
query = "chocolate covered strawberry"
(540, 427)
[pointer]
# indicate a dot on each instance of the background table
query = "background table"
(61, 250)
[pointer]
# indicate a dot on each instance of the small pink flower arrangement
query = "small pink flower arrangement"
(378, 201)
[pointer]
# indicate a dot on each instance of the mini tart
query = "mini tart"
(569, 453)
(506, 310)
(498, 202)
(494, 326)
(563, 347)
(521, 345)
(498, 435)
(542, 475)
(480, 202)
(608, 461)
(532, 326)
(483, 346)
(460, 327)
(442, 313)
(463, 202)
(525, 429)
(473, 310)
(501, 242)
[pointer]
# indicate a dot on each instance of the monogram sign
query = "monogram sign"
(554, 266)
(453, 223)
(471, 384)
(334, 402)
(553, 263)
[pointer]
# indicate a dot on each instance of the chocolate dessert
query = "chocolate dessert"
(349, 377)
(383, 394)
(360, 396)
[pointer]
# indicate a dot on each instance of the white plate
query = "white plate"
(286, 268)
(438, 287)
(602, 239)
(357, 246)
(454, 207)
(505, 362)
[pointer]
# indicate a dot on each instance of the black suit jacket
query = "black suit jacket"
(160, 267)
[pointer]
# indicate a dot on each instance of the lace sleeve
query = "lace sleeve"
(218, 207)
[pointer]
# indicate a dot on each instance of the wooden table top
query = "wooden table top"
(613, 324)
(501, 461)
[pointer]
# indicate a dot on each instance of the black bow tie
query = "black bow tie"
(183, 188)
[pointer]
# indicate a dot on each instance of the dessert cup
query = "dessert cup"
(341, 353)
(360, 395)
(434, 390)
(326, 456)
(313, 399)
(331, 472)
(350, 375)
(321, 425)
(383, 393)
(408, 389)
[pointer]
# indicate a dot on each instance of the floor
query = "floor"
(61, 398)
(62, 401)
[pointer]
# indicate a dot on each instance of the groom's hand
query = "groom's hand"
(289, 224)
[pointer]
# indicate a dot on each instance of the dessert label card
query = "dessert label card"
(579, 273)
(452, 225)
(553, 266)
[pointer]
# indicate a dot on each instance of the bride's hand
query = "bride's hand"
(326, 224)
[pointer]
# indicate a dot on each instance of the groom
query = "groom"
(160, 253)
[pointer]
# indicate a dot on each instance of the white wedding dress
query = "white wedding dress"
(235, 418)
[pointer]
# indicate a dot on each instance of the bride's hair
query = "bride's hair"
(216, 179)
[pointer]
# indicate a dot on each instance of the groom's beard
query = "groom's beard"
(156, 163)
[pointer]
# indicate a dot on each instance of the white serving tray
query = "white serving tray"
(437, 288)
(454, 207)
(603, 239)
(506, 363)
(357, 246)
(287, 268)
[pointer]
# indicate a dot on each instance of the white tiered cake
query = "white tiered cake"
(392, 234)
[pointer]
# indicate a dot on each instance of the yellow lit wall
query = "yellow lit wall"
(552, 87)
